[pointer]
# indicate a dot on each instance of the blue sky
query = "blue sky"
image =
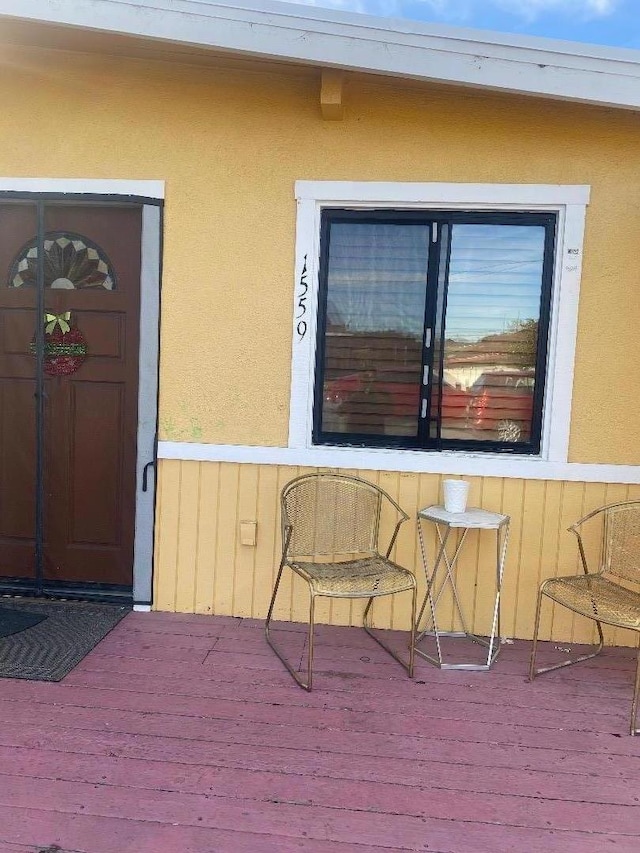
(607, 22)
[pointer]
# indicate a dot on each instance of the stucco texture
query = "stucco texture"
(230, 143)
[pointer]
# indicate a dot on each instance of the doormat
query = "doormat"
(65, 634)
(13, 621)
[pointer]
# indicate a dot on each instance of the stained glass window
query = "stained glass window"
(71, 262)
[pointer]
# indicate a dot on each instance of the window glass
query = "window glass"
(432, 329)
(491, 331)
(375, 305)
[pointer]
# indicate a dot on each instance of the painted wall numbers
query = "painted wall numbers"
(301, 306)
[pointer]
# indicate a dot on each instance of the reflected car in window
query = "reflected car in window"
(501, 405)
(371, 402)
(386, 402)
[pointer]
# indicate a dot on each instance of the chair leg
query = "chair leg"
(310, 643)
(533, 672)
(412, 640)
(635, 729)
(306, 685)
(534, 646)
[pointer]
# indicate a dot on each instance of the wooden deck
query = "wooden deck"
(183, 734)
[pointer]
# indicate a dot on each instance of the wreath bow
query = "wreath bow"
(61, 320)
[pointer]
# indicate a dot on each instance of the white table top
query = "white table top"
(472, 518)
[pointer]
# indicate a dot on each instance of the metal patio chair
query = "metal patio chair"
(610, 595)
(330, 538)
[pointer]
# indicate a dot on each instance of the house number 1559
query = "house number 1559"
(301, 307)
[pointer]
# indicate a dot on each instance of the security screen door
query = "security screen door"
(69, 332)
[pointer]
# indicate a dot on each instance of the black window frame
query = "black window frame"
(437, 218)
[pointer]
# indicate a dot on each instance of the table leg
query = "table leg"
(502, 539)
(451, 573)
(435, 589)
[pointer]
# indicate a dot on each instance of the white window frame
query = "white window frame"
(569, 202)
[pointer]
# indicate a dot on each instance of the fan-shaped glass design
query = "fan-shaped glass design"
(71, 262)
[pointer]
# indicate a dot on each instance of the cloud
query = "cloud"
(470, 11)
(529, 10)
(367, 7)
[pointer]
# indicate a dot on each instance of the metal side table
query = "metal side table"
(444, 574)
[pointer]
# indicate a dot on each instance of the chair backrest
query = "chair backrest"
(621, 551)
(331, 514)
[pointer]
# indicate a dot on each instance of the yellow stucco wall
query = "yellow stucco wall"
(231, 143)
(201, 566)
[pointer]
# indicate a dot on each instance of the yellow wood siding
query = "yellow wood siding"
(201, 567)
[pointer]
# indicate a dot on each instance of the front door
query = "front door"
(69, 333)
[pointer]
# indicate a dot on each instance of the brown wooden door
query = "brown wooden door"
(18, 223)
(89, 433)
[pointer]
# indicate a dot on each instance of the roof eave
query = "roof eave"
(537, 67)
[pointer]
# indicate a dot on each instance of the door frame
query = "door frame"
(150, 195)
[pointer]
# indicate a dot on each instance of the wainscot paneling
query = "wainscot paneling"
(201, 566)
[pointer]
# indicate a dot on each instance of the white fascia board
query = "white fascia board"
(541, 67)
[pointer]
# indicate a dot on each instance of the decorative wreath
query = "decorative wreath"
(65, 348)
(71, 262)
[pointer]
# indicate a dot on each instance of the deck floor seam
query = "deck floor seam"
(429, 762)
(358, 729)
(235, 670)
(451, 740)
(437, 820)
(424, 738)
(419, 701)
(260, 799)
(556, 831)
(161, 691)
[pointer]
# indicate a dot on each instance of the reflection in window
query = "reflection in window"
(70, 262)
(491, 329)
(374, 325)
(433, 329)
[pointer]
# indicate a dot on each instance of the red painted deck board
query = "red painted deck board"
(239, 702)
(455, 693)
(184, 734)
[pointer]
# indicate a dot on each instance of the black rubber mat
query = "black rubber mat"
(66, 631)
(14, 621)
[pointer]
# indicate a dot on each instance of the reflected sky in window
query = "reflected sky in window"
(377, 278)
(495, 279)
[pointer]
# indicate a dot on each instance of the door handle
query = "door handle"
(152, 464)
(145, 474)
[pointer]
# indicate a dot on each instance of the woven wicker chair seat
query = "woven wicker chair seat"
(597, 598)
(363, 578)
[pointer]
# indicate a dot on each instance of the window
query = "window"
(433, 329)
(71, 262)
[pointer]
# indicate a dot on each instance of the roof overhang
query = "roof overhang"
(302, 34)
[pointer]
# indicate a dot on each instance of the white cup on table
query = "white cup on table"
(455, 493)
